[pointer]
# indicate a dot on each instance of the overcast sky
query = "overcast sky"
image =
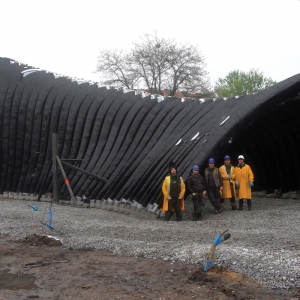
(66, 36)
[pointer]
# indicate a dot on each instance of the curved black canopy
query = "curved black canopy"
(129, 139)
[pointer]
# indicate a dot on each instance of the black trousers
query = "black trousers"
(241, 202)
(174, 203)
(199, 203)
(213, 194)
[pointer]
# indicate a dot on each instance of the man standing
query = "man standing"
(173, 189)
(196, 186)
(228, 175)
(214, 185)
(244, 181)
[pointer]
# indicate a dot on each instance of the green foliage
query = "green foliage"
(238, 83)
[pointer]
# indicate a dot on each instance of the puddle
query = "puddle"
(9, 281)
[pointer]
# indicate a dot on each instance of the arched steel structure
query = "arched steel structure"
(130, 139)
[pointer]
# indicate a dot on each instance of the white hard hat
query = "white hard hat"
(241, 157)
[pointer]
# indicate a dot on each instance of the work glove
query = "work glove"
(194, 194)
(169, 198)
(228, 176)
(204, 194)
(251, 184)
(237, 185)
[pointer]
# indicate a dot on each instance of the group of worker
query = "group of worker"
(218, 184)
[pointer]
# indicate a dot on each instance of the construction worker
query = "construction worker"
(214, 185)
(173, 189)
(244, 181)
(228, 175)
(195, 184)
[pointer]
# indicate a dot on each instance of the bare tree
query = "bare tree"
(155, 64)
(115, 69)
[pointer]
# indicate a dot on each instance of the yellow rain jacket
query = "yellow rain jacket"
(166, 192)
(243, 176)
(226, 193)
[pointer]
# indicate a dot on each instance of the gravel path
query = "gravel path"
(264, 243)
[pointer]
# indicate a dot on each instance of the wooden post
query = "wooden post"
(66, 180)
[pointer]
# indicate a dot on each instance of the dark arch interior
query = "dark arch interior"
(271, 146)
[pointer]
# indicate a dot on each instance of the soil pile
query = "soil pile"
(40, 240)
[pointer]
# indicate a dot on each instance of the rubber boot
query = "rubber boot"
(168, 216)
(233, 204)
(249, 204)
(222, 200)
(179, 216)
(241, 202)
(194, 217)
(202, 212)
(197, 216)
(200, 216)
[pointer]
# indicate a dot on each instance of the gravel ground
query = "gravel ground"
(264, 243)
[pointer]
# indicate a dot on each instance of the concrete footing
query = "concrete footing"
(124, 206)
(127, 209)
(161, 214)
(104, 204)
(262, 193)
(295, 195)
(98, 203)
(117, 205)
(86, 205)
(79, 201)
(286, 195)
(34, 197)
(110, 204)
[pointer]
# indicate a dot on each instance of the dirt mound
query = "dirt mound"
(239, 286)
(41, 240)
(215, 272)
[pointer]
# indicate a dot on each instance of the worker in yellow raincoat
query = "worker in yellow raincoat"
(173, 189)
(244, 181)
(228, 175)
